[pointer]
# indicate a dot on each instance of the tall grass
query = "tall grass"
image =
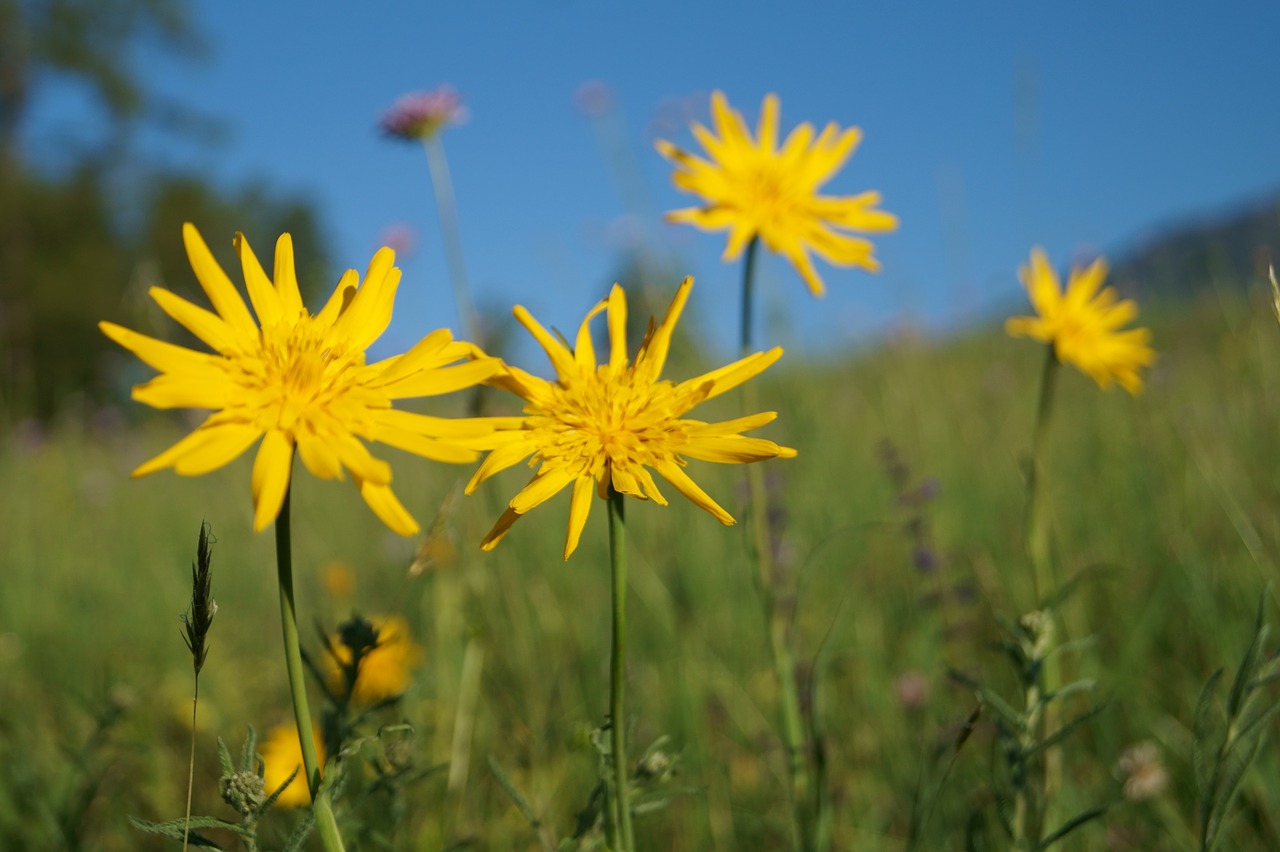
(1172, 497)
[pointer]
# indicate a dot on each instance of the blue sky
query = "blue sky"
(988, 128)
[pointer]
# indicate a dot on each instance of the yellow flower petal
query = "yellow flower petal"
(217, 286)
(579, 509)
(610, 425)
(270, 483)
(1084, 324)
(752, 189)
(222, 444)
(389, 509)
(302, 380)
(210, 430)
(207, 326)
(286, 278)
(262, 294)
(672, 473)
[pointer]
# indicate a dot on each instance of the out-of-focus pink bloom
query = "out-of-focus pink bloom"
(401, 238)
(594, 98)
(421, 115)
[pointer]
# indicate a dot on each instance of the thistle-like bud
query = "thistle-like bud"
(244, 791)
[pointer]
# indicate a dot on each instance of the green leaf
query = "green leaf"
(1065, 731)
(174, 829)
(271, 800)
(1248, 728)
(1072, 824)
(655, 800)
(1002, 709)
(224, 758)
(1200, 734)
(520, 801)
(1235, 772)
(301, 831)
(249, 753)
(1083, 685)
(1248, 666)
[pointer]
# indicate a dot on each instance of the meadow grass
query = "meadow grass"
(1170, 499)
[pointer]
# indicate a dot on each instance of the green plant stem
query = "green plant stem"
(1037, 532)
(804, 799)
(1040, 554)
(446, 208)
(623, 838)
(326, 823)
(191, 763)
(1027, 820)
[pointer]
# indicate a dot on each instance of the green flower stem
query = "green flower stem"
(1037, 532)
(326, 823)
(447, 210)
(802, 795)
(623, 838)
(1040, 555)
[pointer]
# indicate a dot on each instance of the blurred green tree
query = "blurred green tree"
(75, 249)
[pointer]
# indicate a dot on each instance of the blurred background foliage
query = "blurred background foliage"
(85, 240)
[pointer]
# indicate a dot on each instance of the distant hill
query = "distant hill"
(1184, 259)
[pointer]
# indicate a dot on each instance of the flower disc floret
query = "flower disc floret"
(752, 188)
(300, 381)
(1084, 324)
(602, 426)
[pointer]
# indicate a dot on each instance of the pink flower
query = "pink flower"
(421, 115)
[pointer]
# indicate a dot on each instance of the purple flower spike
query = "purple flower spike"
(421, 115)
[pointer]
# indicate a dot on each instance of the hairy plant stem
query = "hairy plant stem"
(1028, 821)
(1040, 554)
(623, 838)
(803, 797)
(326, 823)
(446, 209)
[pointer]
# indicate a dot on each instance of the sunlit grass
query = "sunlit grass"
(1171, 494)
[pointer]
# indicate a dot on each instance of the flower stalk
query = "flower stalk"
(326, 823)
(802, 795)
(196, 622)
(447, 210)
(1043, 715)
(623, 838)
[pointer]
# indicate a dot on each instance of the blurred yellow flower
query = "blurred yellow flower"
(385, 670)
(298, 380)
(751, 187)
(339, 580)
(281, 754)
(1083, 325)
(604, 424)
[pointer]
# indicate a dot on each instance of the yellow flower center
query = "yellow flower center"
(300, 369)
(596, 418)
(768, 194)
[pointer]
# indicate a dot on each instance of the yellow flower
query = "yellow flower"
(1083, 325)
(339, 580)
(384, 671)
(604, 424)
(299, 380)
(751, 187)
(281, 754)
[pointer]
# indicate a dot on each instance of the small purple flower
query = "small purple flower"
(421, 115)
